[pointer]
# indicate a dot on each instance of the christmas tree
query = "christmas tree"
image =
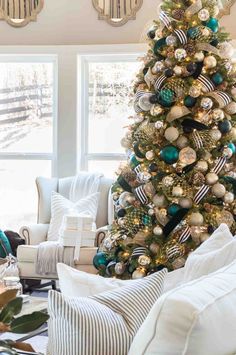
(179, 183)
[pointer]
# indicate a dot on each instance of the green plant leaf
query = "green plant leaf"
(28, 323)
(10, 310)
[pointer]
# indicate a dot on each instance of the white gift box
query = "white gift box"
(78, 222)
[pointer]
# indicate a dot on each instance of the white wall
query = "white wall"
(76, 22)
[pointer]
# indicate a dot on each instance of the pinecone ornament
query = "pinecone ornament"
(190, 48)
(178, 14)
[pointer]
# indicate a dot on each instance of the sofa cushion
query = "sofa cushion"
(28, 254)
(104, 324)
(196, 318)
(60, 206)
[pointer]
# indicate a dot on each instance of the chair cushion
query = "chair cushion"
(197, 318)
(104, 324)
(28, 254)
(60, 206)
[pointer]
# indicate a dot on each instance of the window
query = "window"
(27, 112)
(106, 107)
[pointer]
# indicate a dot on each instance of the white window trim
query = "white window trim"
(98, 54)
(30, 58)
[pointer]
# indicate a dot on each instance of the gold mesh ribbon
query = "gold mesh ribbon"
(207, 47)
(194, 8)
(177, 111)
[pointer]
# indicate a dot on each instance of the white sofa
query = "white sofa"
(35, 234)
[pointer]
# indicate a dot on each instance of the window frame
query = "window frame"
(37, 58)
(101, 54)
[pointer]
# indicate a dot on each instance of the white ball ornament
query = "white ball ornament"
(203, 15)
(171, 40)
(211, 178)
(178, 70)
(180, 54)
(230, 108)
(226, 50)
(159, 200)
(171, 134)
(158, 67)
(210, 62)
(199, 56)
(158, 230)
(201, 166)
(182, 142)
(218, 114)
(206, 103)
(229, 197)
(185, 202)
(215, 134)
(177, 191)
(150, 155)
(196, 219)
(218, 190)
(144, 102)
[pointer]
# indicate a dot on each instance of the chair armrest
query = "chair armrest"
(100, 235)
(34, 234)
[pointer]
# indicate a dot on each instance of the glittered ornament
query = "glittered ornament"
(198, 179)
(215, 134)
(203, 15)
(206, 103)
(144, 260)
(218, 114)
(177, 191)
(139, 273)
(187, 156)
(192, 32)
(159, 200)
(158, 67)
(217, 78)
(190, 48)
(212, 23)
(178, 70)
(158, 230)
(195, 91)
(171, 134)
(230, 108)
(100, 260)
(190, 101)
(144, 102)
(150, 155)
(199, 56)
(211, 178)
(168, 181)
(210, 62)
(180, 54)
(196, 219)
(224, 126)
(229, 197)
(166, 97)
(202, 166)
(171, 40)
(218, 190)
(173, 209)
(169, 154)
(119, 268)
(226, 50)
(182, 142)
(156, 110)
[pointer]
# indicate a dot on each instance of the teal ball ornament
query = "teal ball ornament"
(166, 97)
(100, 260)
(173, 209)
(224, 126)
(170, 154)
(159, 44)
(213, 24)
(190, 101)
(232, 147)
(217, 78)
(146, 220)
(134, 162)
(192, 32)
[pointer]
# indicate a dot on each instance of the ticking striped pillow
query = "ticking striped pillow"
(104, 324)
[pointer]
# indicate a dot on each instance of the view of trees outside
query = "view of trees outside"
(109, 109)
(26, 120)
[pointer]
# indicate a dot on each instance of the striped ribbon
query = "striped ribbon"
(219, 165)
(206, 82)
(138, 251)
(137, 109)
(173, 251)
(221, 97)
(181, 36)
(197, 140)
(185, 235)
(201, 193)
(140, 193)
(140, 93)
(165, 19)
(137, 170)
(159, 82)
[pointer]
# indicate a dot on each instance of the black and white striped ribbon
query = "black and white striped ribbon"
(140, 193)
(219, 165)
(206, 82)
(181, 36)
(201, 193)
(185, 235)
(224, 96)
(137, 170)
(139, 94)
(173, 252)
(138, 251)
(165, 19)
(197, 140)
(159, 82)
(137, 109)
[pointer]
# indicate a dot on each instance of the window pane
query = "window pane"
(108, 168)
(109, 104)
(26, 107)
(18, 193)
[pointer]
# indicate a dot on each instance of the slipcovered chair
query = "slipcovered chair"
(36, 234)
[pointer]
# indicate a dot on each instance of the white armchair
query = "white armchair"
(35, 234)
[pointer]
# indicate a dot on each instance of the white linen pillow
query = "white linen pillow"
(104, 324)
(196, 318)
(60, 206)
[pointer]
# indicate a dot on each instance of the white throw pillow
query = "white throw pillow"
(60, 206)
(197, 318)
(104, 324)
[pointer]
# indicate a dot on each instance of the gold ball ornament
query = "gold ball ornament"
(177, 191)
(182, 142)
(229, 197)
(159, 200)
(230, 108)
(139, 273)
(178, 70)
(187, 156)
(218, 114)
(215, 134)
(210, 62)
(218, 190)
(195, 91)
(171, 134)
(211, 178)
(144, 260)
(199, 56)
(201, 166)
(196, 219)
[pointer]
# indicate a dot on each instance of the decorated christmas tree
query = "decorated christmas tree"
(179, 183)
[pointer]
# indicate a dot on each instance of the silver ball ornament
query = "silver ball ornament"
(180, 54)
(203, 15)
(158, 124)
(210, 62)
(206, 103)
(229, 197)
(218, 190)
(196, 219)
(144, 102)
(126, 198)
(119, 268)
(158, 230)
(171, 40)
(211, 178)
(226, 50)
(171, 134)
(158, 67)
(215, 134)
